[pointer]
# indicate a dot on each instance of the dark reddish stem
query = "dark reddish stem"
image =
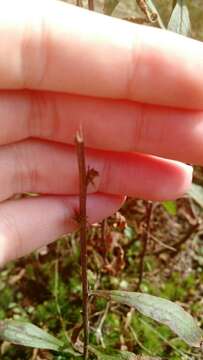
(145, 239)
(91, 4)
(83, 234)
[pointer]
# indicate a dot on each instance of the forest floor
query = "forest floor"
(45, 287)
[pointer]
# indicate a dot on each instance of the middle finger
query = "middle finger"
(107, 124)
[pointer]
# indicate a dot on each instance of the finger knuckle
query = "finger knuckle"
(133, 67)
(26, 174)
(34, 51)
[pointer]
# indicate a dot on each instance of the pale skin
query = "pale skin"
(137, 92)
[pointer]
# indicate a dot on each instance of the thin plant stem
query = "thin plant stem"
(99, 334)
(91, 4)
(103, 234)
(79, 3)
(56, 281)
(139, 342)
(83, 234)
(145, 239)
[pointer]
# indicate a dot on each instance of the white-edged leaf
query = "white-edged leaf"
(27, 334)
(161, 310)
(196, 193)
(180, 19)
(109, 6)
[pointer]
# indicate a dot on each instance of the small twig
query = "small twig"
(83, 234)
(165, 246)
(100, 326)
(145, 238)
(103, 230)
(178, 244)
(103, 235)
(150, 11)
(139, 342)
(91, 4)
(79, 3)
(190, 232)
(35, 354)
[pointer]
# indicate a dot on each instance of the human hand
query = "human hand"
(136, 91)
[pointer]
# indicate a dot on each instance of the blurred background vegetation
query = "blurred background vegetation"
(45, 287)
(129, 8)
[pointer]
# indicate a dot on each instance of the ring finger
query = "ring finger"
(51, 168)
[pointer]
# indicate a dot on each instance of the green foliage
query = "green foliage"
(116, 355)
(47, 313)
(170, 207)
(152, 344)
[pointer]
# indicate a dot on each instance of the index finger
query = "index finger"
(53, 46)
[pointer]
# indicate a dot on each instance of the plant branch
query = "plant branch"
(83, 234)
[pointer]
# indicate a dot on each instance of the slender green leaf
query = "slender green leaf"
(109, 6)
(161, 310)
(180, 19)
(196, 193)
(170, 207)
(118, 355)
(27, 334)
